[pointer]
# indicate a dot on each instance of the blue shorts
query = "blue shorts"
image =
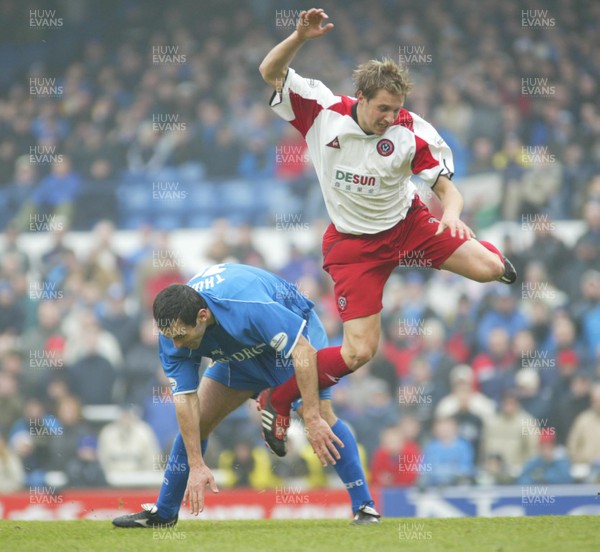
(254, 375)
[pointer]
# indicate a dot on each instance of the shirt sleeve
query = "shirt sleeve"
(257, 322)
(432, 156)
(300, 100)
(178, 365)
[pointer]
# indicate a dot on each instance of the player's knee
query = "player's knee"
(487, 268)
(494, 268)
(358, 354)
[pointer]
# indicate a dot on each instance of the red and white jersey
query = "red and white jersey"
(365, 178)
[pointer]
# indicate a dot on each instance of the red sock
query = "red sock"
(330, 368)
(492, 248)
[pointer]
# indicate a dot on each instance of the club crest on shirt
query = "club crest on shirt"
(385, 147)
(342, 303)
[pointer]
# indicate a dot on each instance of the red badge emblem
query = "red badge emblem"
(385, 147)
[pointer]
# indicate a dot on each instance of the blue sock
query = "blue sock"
(175, 479)
(349, 468)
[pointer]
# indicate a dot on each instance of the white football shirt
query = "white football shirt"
(365, 179)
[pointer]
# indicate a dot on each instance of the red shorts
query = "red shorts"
(361, 265)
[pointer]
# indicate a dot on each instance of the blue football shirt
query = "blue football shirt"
(259, 317)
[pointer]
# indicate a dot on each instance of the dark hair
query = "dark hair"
(177, 302)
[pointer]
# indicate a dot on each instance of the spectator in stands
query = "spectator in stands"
(504, 313)
(494, 471)
(550, 467)
(86, 337)
(584, 437)
(13, 247)
(469, 425)
(92, 364)
(481, 160)
(293, 468)
(141, 362)
(571, 404)
(504, 436)
(564, 344)
(12, 316)
(448, 458)
(103, 264)
(71, 429)
(149, 152)
(83, 469)
(11, 402)
(397, 460)
(48, 325)
(417, 393)
(462, 392)
(534, 399)
(367, 405)
(589, 311)
(538, 285)
(157, 271)
(244, 250)
(434, 350)
(492, 368)
(24, 299)
(587, 247)
(247, 466)
(551, 251)
(127, 445)
(12, 474)
(30, 437)
(116, 317)
(17, 211)
(55, 195)
(453, 114)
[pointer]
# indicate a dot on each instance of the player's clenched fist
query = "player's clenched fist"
(309, 24)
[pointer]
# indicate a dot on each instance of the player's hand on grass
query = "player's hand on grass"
(198, 479)
(323, 440)
(309, 24)
(456, 227)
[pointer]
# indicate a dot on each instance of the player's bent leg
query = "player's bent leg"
(349, 468)
(361, 338)
(474, 261)
(216, 402)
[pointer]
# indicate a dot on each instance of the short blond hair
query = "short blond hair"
(375, 75)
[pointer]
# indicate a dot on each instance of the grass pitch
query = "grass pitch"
(509, 534)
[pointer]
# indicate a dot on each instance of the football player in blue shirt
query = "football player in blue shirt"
(259, 331)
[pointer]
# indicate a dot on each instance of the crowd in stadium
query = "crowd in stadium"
(471, 384)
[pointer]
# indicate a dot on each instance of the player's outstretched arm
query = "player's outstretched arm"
(276, 63)
(320, 435)
(188, 417)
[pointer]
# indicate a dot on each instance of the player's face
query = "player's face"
(379, 113)
(184, 335)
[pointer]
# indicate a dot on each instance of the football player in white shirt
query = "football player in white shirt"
(364, 151)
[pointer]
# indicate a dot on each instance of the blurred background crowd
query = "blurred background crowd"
(150, 117)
